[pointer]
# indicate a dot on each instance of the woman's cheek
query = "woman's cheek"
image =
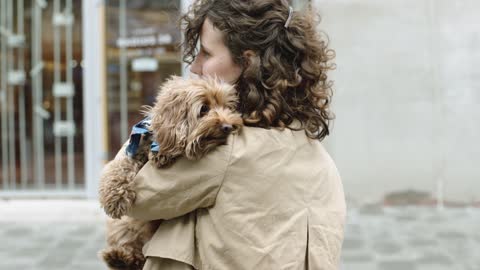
(205, 68)
(210, 68)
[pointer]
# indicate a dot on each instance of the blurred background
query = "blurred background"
(73, 75)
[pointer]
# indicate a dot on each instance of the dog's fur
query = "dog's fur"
(190, 118)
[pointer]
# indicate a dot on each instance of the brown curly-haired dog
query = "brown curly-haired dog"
(190, 118)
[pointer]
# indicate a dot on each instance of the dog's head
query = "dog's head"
(192, 116)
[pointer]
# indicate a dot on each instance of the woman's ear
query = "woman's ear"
(252, 63)
(249, 56)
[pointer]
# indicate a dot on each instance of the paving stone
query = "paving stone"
(56, 260)
(459, 248)
(18, 232)
(6, 226)
(6, 248)
(353, 229)
(34, 251)
(477, 238)
(387, 247)
(396, 265)
(435, 258)
(357, 258)
(89, 254)
(406, 218)
(101, 237)
(475, 265)
(67, 228)
(358, 266)
(421, 229)
(88, 265)
(84, 230)
(70, 244)
(470, 267)
(452, 235)
(99, 242)
(381, 235)
(371, 210)
(436, 219)
(439, 267)
(15, 265)
(422, 242)
(353, 244)
(45, 239)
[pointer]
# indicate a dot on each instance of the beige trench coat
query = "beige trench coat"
(269, 199)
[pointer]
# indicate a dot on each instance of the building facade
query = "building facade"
(74, 75)
(73, 78)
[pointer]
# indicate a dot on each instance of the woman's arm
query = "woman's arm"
(165, 193)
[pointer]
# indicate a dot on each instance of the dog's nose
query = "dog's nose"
(226, 128)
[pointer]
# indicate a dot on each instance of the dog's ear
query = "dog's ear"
(169, 120)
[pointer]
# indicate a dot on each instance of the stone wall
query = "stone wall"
(407, 95)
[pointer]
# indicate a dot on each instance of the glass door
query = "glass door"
(142, 50)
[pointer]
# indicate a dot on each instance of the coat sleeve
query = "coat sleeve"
(165, 193)
(327, 222)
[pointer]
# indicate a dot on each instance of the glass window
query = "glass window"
(43, 45)
(143, 40)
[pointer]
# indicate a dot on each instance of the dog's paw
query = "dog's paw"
(143, 149)
(119, 202)
(121, 259)
(160, 161)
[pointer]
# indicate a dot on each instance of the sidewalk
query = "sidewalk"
(67, 234)
(60, 234)
(412, 238)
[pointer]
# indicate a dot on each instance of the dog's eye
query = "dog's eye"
(204, 110)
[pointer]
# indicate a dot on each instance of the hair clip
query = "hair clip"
(290, 12)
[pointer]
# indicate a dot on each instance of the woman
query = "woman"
(272, 198)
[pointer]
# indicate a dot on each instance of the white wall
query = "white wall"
(407, 95)
(93, 48)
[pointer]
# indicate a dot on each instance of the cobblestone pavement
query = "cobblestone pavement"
(67, 234)
(38, 235)
(412, 238)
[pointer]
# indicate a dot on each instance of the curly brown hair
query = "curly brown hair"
(286, 79)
